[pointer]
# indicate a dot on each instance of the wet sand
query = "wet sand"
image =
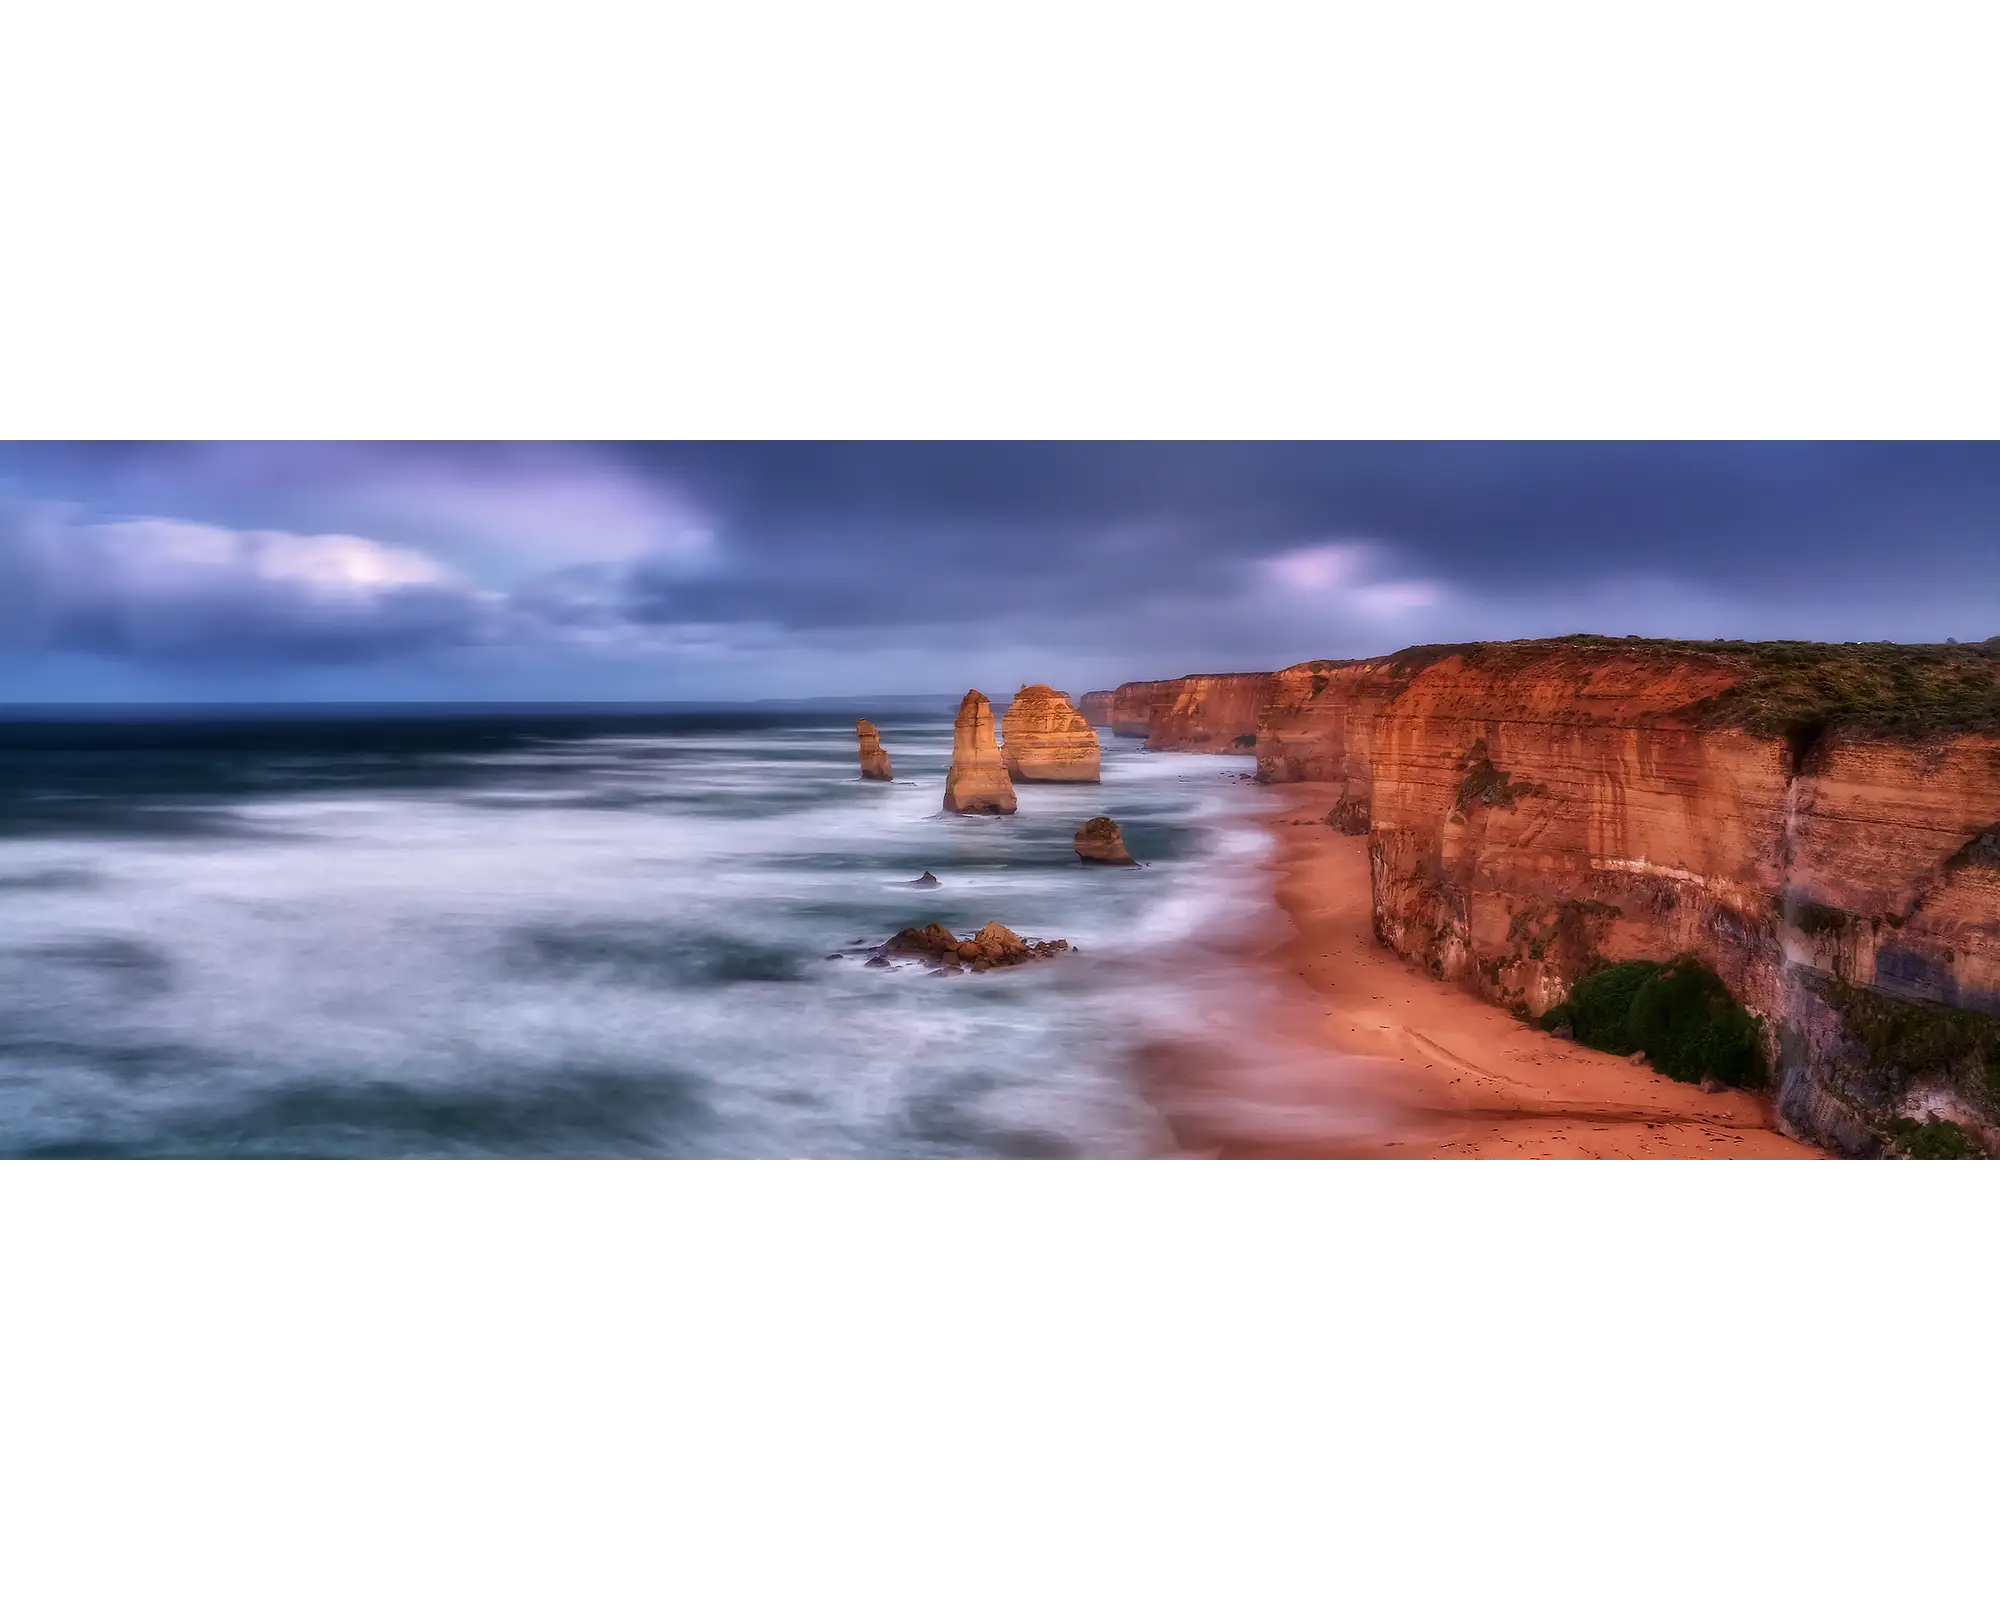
(1354, 1054)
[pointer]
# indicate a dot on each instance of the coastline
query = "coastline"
(1348, 1053)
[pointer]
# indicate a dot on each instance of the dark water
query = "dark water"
(573, 934)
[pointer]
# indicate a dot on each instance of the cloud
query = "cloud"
(173, 591)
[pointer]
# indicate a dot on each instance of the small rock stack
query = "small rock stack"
(874, 759)
(1100, 841)
(978, 778)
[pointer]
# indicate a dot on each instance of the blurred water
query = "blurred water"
(556, 935)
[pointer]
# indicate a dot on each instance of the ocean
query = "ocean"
(581, 933)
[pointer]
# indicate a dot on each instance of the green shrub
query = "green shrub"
(1681, 1014)
(1934, 1139)
(1691, 1027)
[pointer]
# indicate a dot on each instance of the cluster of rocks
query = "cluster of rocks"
(994, 945)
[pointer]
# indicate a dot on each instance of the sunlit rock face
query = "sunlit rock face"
(1208, 711)
(1535, 809)
(874, 759)
(978, 778)
(1101, 841)
(1045, 740)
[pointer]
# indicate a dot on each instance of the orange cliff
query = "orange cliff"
(1044, 740)
(1095, 707)
(1208, 712)
(1830, 849)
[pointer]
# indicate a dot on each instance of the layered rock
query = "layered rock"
(1100, 840)
(1211, 712)
(1131, 709)
(1045, 740)
(874, 759)
(1319, 728)
(1539, 808)
(977, 781)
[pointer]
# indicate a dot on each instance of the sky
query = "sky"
(259, 572)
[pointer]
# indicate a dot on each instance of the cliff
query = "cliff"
(978, 778)
(1095, 707)
(1129, 708)
(1210, 711)
(1319, 728)
(1820, 824)
(1044, 740)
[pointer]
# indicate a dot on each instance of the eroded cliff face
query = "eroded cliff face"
(1536, 809)
(1319, 728)
(1208, 712)
(1130, 709)
(1044, 740)
(1095, 707)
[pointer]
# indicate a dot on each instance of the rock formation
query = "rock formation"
(1095, 708)
(994, 945)
(1214, 712)
(1131, 710)
(874, 759)
(1819, 824)
(1044, 740)
(1099, 840)
(978, 778)
(1208, 711)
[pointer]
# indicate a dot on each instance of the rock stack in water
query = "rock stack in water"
(1046, 740)
(978, 778)
(1099, 840)
(874, 759)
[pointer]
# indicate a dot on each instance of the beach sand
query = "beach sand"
(1354, 1054)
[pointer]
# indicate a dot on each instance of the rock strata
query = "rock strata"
(977, 781)
(1045, 740)
(1100, 841)
(874, 759)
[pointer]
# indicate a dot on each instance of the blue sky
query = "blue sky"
(241, 572)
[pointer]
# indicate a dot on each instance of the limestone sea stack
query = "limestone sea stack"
(874, 759)
(1099, 841)
(1045, 740)
(978, 778)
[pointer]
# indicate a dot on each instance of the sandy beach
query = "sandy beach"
(1357, 1055)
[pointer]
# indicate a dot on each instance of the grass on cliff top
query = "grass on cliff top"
(1799, 688)
(1680, 1013)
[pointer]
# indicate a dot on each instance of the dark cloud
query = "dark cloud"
(713, 568)
(184, 593)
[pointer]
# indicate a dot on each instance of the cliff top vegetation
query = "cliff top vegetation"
(1795, 687)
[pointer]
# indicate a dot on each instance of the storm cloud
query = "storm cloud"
(710, 570)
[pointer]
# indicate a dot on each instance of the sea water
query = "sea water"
(579, 934)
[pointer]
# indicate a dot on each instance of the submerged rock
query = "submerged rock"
(1099, 841)
(977, 781)
(874, 759)
(1045, 739)
(995, 945)
(927, 881)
